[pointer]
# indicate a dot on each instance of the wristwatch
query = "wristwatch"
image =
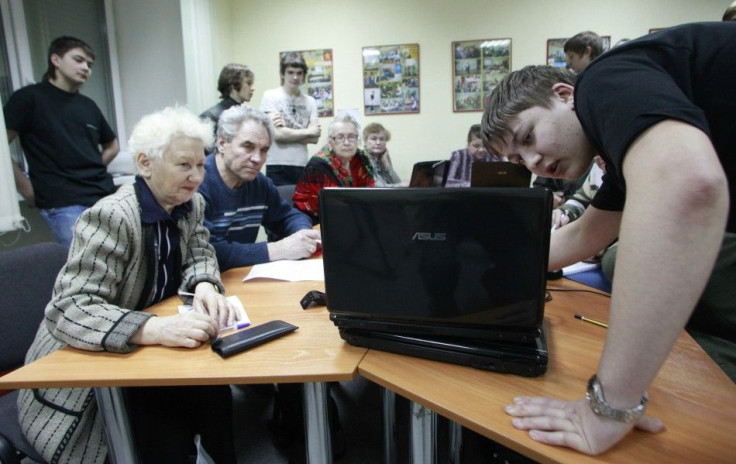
(599, 406)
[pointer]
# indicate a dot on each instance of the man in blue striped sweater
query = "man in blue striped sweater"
(240, 198)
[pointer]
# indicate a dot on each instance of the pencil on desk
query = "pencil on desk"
(592, 321)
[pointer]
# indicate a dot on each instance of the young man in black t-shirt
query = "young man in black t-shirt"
(661, 111)
(65, 138)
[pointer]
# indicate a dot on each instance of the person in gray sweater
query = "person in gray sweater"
(130, 250)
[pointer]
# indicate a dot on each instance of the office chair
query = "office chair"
(28, 273)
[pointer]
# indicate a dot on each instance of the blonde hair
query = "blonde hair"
(154, 132)
(376, 128)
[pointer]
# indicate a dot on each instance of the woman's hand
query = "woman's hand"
(572, 424)
(187, 330)
(208, 301)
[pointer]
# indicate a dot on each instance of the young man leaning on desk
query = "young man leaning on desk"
(659, 110)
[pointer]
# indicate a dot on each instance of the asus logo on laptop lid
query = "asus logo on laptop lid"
(429, 236)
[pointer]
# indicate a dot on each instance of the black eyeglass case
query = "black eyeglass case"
(247, 339)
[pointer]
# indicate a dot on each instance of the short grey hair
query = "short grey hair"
(233, 118)
(346, 118)
(154, 132)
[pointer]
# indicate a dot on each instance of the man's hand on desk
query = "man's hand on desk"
(301, 244)
(573, 424)
(187, 330)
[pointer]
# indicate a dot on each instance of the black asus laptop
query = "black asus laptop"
(469, 264)
(429, 174)
(500, 174)
(526, 359)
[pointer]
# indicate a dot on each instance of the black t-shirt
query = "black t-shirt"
(61, 134)
(686, 73)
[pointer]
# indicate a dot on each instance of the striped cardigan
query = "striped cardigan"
(92, 308)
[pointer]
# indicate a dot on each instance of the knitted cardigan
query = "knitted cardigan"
(95, 306)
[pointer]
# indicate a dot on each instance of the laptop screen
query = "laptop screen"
(460, 257)
(500, 174)
(429, 174)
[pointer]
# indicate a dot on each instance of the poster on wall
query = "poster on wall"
(478, 66)
(556, 51)
(318, 82)
(391, 79)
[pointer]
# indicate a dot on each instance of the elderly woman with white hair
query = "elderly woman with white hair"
(340, 163)
(138, 246)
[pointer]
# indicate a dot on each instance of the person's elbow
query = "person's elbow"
(703, 192)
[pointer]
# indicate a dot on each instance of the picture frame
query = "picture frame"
(318, 83)
(477, 67)
(556, 50)
(391, 79)
(556, 53)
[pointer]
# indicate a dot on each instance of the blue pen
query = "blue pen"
(238, 326)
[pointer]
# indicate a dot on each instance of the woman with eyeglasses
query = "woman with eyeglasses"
(340, 163)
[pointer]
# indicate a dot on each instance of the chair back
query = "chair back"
(28, 275)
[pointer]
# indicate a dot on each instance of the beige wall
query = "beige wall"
(255, 31)
(151, 57)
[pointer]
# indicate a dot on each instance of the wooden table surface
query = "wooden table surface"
(314, 353)
(691, 394)
(696, 400)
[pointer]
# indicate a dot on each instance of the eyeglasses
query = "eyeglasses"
(342, 137)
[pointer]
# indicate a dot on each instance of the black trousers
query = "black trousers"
(284, 175)
(166, 419)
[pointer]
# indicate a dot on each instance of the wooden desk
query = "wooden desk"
(314, 354)
(691, 394)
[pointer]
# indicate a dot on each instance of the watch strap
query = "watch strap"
(598, 404)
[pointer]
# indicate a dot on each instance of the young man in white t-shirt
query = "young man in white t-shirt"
(294, 116)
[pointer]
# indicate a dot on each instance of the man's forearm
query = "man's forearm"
(667, 246)
(109, 151)
(583, 238)
(289, 135)
(23, 184)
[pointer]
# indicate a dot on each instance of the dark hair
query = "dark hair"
(474, 132)
(579, 43)
(292, 60)
(231, 78)
(518, 91)
(60, 46)
(730, 13)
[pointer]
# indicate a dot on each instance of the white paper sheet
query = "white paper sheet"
(292, 271)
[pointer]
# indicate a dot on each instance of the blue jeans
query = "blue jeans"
(61, 221)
